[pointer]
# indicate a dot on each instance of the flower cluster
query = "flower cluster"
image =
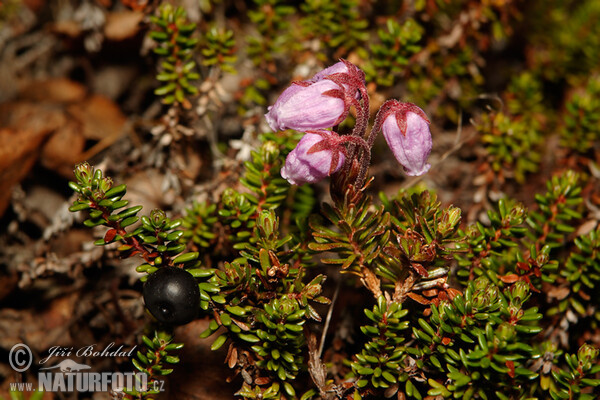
(318, 105)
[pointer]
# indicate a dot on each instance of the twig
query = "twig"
(328, 318)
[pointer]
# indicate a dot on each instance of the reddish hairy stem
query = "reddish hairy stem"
(132, 241)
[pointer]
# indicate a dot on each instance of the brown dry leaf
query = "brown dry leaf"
(71, 242)
(41, 205)
(95, 118)
(584, 295)
(262, 380)
(60, 90)
(419, 299)
(60, 311)
(510, 278)
(559, 293)
(586, 227)
(100, 116)
(55, 157)
(430, 293)
(452, 293)
(27, 125)
(391, 391)
(232, 356)
(145, 188)
(25, 116)
(121, 25)
(194, 163)
(419, 269)
(39, 329)
(68, 28)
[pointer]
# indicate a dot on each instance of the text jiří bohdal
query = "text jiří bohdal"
(88, 351)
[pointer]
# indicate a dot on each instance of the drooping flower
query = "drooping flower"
(320, 102)
(317, 156)
(305, 105)
(406, 130)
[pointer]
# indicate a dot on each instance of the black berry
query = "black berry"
(172, 296)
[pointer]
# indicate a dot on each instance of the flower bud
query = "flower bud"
(587, 357)
(269, 152)
(305, 106)
(407, 133)
(449, 221)
(303, 166)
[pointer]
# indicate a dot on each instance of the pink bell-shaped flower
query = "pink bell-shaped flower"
(319, 103)
(305, 105)
(406, 130)
(313, 160)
